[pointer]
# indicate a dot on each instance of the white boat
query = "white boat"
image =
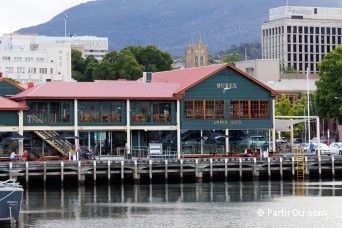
(11, 194)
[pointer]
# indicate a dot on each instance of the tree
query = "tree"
(104, 71)
(232, 58)
(127, 67)
(283, 107)
(329, 86)
(151, 58)
(77, 65)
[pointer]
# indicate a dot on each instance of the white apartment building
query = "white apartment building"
(300, 37)
(26, 61)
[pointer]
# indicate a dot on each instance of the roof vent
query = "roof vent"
(147, 76)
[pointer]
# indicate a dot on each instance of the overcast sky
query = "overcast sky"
(16, 14)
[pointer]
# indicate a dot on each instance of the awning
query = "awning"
(282, 125)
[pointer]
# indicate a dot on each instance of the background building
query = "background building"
(301, 36)
(196, 55)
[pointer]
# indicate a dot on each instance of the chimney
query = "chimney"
(30, 85)
(147, 76)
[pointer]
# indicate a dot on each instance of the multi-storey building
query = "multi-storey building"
(27, 61)
(196, 55)
(300, 37)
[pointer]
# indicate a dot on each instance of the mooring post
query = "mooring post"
(136, 175)
(293, 167)
(109, 174)
(81, 177)
(333, 166)
(62, 172)
(269, 167)
(225, 168)
(27, 173)
(181, 169)
(281, 168)
(10, 170)
(240, 168)
(198, 173)
(211, 168)
(94, 173)
(150, 170)
(255, 169)
(319, 166)
(166, 170)
(306, 166)
(122, 172)
(44, 175)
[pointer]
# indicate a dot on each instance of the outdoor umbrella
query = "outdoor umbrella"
(16, 137)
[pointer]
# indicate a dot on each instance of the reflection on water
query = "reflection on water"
(182, 205)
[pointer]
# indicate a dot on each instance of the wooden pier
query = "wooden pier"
(161, 170)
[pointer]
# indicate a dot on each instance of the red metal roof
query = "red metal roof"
(100, 90)
(191, 76)
(6, 104)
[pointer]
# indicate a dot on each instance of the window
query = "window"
(204, 109)
(249, 109)
(6, 58)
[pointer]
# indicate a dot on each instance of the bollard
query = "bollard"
(109, 174)
(166, 170)
(281, 168)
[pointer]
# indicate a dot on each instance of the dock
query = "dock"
(162, 170)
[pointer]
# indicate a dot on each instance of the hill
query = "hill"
(169, 24)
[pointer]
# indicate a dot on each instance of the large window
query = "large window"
(53, 112)
(100, 111)
(161, 112)
(204, 109)
(249, 109)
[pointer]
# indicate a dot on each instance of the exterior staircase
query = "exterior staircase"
(62, 146)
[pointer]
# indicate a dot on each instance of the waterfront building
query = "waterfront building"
(159, 113)
(196, 55)
(300, 37)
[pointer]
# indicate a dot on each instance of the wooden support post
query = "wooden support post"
(109, 174)
(62, 173)
(81, 177)
(269, 168)
(255, 169)
(240, 168)
(306, 166)
(122, 172)
(44, 175)
(94, 164)
(150, 170)
(293, 167)
(166, 171)
(136, 175)
(211, 168)
(198, 173)
(319, 166)
(226, 168)
(333, 167)
(181, 169)
(27, 173)
(10, 170)
(281, 168)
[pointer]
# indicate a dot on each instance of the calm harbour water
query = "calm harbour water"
(230, 204)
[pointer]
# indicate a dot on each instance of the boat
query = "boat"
(11, 194)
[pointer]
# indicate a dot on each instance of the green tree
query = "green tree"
(329, 86)
(127, 66)
(104, 71)
(283, 107)
(77, 65)
(232, 58)
(111, 56)
(151, 58)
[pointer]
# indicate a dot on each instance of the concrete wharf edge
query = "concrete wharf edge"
(271, 167)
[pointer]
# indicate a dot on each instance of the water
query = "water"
(231, 204)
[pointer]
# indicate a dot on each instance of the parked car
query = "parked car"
(336, 148)
(324, 148)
